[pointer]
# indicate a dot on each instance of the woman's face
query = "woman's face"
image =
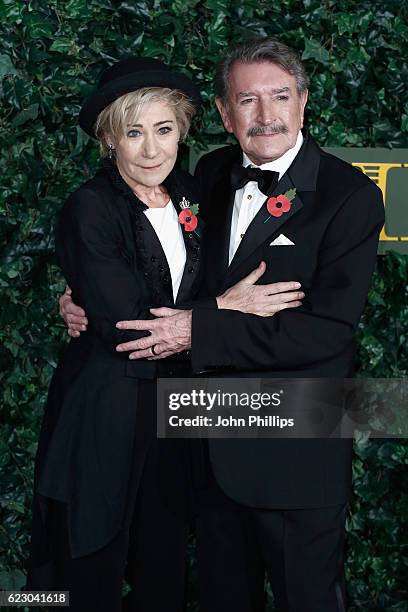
(147, 152)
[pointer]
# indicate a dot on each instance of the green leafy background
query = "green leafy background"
(50, 55)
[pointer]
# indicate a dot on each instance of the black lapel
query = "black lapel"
(302, 175)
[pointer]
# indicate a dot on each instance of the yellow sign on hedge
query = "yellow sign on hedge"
(388, 168)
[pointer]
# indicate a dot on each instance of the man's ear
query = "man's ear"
(303, 101)
(223, 110)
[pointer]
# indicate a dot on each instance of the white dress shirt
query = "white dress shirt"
(169, 231)
(250, 199)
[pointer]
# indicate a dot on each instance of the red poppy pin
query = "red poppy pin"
(278, 205)
(188, 216)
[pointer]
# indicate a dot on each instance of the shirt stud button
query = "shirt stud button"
(249, 197)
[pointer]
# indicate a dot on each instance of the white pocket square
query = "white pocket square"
(282, 240)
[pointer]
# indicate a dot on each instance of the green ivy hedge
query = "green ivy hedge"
(50, 55)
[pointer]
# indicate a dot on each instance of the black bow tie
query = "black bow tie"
(266, 179)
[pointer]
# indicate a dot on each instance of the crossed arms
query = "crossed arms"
(170, 331)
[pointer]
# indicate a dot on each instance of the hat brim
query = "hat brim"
(123, 85)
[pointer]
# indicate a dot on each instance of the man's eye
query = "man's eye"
(133, 133)
(284, 98)
(165, 129)
(247, 100)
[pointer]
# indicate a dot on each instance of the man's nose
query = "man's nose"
(266, 112)
(150, 148)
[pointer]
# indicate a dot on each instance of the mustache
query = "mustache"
(267, 129)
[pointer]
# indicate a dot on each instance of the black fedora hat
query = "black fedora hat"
(128, 75)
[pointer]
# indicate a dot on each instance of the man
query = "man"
(275, 504)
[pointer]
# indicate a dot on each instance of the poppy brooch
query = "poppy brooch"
(281, 204)
(188, 215)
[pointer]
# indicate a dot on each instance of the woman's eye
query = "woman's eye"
(133, 133)
(165, 129)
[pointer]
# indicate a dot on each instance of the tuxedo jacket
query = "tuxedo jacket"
(334, 222)
(113, 261)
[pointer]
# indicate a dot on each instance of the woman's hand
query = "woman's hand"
(73, 315)
(262, 300)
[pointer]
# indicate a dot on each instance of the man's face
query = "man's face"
(264, 110)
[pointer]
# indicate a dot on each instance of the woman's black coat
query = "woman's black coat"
(116, 267)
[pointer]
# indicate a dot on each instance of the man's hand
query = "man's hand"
(73, 315)
(170, 333)
(262, 300)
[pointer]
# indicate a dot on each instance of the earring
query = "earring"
(110, 151)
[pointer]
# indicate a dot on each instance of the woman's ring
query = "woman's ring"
(152, 347)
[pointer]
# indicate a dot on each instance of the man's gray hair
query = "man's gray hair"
(256, 51)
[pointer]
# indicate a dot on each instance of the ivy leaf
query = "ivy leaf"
(81, 140)
(12, 273)
(76, 8)
(65, 45)
(6, 66)
(12, 581)
(25, 115)
(38, 26)
(314, 50)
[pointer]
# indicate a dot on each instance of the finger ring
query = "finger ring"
(152, 347)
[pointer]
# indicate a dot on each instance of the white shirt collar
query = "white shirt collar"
(282, 163)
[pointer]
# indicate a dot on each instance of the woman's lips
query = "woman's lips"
(150, 167)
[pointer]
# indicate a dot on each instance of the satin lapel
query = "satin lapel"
(264, 226)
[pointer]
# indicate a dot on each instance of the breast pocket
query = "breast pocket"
(289, 263)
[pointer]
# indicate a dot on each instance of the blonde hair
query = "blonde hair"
(125, 110)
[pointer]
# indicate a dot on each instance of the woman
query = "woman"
(111, 501)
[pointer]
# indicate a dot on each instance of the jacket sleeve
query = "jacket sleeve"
(88, 251)
(325, 324)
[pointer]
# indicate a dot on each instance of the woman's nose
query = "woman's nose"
(150, 148)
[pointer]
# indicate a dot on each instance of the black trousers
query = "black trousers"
(301, 551)
(149, 552)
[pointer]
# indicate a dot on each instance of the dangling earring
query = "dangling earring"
(110, 151)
